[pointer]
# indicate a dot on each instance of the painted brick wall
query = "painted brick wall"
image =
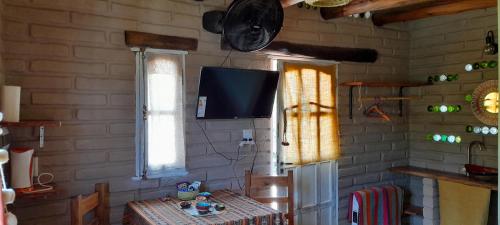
(444, 45)
(70, 59)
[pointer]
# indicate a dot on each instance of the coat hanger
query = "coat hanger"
(376, 111)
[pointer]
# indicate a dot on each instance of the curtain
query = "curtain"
(309, 100)
(164, 122)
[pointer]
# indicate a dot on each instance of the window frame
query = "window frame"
(141, 96)
(278, 120)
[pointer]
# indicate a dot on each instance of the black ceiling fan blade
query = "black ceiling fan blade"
(212, 21)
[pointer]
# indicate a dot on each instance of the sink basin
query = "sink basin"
(481, 172)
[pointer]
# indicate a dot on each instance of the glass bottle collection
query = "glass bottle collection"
(444, 108)
(481, 65)
(452, 139)
(481, 130)
(442, 78)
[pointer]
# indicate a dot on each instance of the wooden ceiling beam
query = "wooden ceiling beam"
(141, 39)
(438, 8)
(287, 3)
(361, 6)
(340, 54)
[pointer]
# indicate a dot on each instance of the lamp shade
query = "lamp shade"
(10, 103)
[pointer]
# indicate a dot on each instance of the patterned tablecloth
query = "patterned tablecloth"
(240, 210)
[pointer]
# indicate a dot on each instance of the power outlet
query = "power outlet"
(247, 135)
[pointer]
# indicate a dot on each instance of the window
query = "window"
(160, 146)
(308, 114)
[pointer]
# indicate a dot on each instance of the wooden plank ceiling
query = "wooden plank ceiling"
(391, 11)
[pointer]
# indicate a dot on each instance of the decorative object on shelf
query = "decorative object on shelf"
(444, 138)
(442, 78)
(481, 65)
(327, 3)
(444, 108)
(491, 47)
(21, 168)
(10, 103)
(484, 102)
(481, 130)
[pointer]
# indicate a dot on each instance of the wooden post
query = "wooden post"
(76, 218)
(248, 181)
(102, 210)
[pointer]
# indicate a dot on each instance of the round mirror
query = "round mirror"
(485, 102)
(491, 102)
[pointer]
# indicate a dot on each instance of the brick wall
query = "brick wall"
(444, 45)
(70, 59)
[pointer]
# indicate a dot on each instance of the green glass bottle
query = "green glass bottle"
(444, 137)
(436, 78)
(492, 64)
(428, 137)
(430, 79)
(451, 108)
(435, 108)
(468, 98)
(483, 64)
(452, 77)
(458, 108)
(430, 108)
(469, 129)
(476, 66)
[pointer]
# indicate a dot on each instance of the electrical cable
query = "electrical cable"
(211, 145)
(227, 56)
(256, 147)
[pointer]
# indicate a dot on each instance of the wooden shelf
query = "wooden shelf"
(38, 195)
(411, 210)
(382, 84)
(33, 123)
(400, 85)
(440, 175)
(41, 124)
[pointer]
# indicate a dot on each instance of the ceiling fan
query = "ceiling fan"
(247, 25)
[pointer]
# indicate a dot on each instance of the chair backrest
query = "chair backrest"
(97, 202)
(254, 182)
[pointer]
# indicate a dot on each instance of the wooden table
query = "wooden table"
(240, 210)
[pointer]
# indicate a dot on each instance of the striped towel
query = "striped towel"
(378, 205)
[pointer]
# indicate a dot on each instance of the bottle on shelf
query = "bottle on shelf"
(443, 138)
(444, 108)
(481, 130)
(481, 65)
(442, 78)
(468, 98)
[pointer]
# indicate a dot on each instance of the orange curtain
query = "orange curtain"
(311, 113)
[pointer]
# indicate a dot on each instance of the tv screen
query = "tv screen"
(227, 93)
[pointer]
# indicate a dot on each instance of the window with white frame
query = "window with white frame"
(160, 146)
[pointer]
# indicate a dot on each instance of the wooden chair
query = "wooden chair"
(97, 202)
(254, 182)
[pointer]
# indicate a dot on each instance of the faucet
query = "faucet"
(469, 149)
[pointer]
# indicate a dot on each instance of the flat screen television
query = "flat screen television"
(229, 93)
